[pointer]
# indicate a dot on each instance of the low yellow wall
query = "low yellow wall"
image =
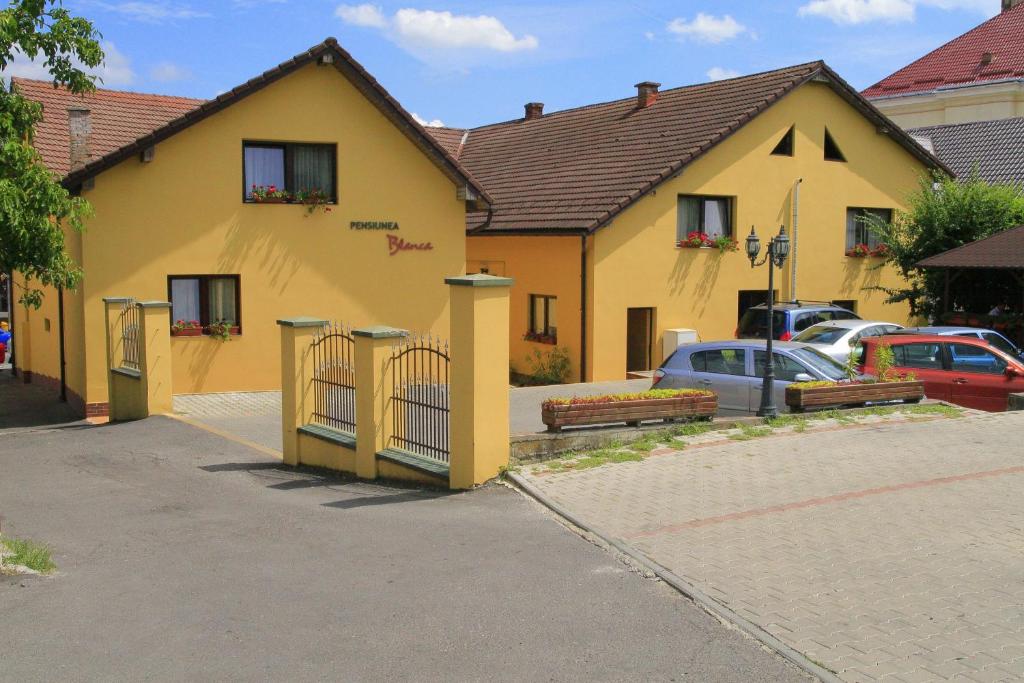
(319, 453)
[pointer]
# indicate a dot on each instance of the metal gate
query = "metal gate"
(420, 397)
(334, 378)
(130, 335)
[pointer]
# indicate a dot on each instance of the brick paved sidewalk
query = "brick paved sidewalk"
(893, 552)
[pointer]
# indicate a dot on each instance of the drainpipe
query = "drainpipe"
(583, 308)
(63, 357)
(792, 240)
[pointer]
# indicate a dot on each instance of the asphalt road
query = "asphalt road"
(183, 555)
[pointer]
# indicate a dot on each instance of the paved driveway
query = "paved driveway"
(894, 552)
(185, 556)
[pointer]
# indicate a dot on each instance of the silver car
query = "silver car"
(835, 337)
(991, 336)
(735, 370)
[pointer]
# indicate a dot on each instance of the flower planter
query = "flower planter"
(632, 412)
(188, 332)
(270, 200)
(800, 399)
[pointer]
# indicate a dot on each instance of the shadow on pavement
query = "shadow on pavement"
(31, 405)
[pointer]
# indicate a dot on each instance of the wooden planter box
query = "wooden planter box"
(800, 399)
(630, 412)
(271, 200)
(188, 332)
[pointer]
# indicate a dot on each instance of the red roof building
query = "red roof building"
(978, 76)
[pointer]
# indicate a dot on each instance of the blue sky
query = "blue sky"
(470, 63)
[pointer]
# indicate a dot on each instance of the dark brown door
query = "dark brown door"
(639, 333)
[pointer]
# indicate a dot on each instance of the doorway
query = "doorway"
(639, 338)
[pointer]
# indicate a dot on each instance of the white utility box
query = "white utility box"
(675, 338)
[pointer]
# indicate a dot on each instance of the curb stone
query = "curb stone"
(688, 590)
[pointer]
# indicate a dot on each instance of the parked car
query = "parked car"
(735, 370)
(991, 336)
(790, 318)
(835, 337)
(962, 370)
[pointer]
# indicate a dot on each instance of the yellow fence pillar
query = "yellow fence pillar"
(373, 394)
(479, 432)
(297, 336)
(155, 356)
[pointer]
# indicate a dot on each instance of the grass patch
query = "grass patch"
(691, 429)
(747, 433)
(28, 554)
(604, 457)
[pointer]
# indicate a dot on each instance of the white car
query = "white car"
(835, 337)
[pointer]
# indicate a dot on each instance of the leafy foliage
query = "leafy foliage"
(944, 214)
(35, 209)
(549, 368)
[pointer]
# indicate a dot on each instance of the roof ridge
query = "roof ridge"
(987, 122)
(593, 105)
(107, 90)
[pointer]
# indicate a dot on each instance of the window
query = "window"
(291, 167)
(832, 151)
(786, 369)
(975, 359)
(785, 146)
(924, 355)
(720, 361)
(709, 215)
(857, 231)
(848, 304)
(205, 298)
(543, 319)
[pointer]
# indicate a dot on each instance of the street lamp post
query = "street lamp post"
(775, 255)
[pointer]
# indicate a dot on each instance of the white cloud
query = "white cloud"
(115, 70)
(151, 12)
(166, 72)
(717, 73)
(433, 123)
(706, 28)
(859, 11)
(864, 11)
(429, 29)
(362, 15)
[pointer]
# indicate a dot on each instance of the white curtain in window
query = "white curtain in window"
(264, 166)
(222, 300)
(185, 299)
(312, 167)
(716, 217)
(851, 227)
(552, 317)
(687, 217)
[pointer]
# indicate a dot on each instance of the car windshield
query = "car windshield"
(754, 323)
(821, 334)
(998, 341)
(829, 368)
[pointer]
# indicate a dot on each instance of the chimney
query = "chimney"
(1010, 4)
(534, 110)
(646, 94)
(79, 129)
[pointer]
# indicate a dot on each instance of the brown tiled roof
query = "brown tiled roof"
(995, 149)
(1004, 250)
(342, 60)
(574, 170)
(963, 61)
(449, 138)
(117, 118)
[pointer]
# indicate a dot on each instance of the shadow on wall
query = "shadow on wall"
(200, 356)
(860, 274)
(683, 270)
(262, 245)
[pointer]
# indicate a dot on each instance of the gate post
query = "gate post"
(297, 336)
(112, 311)
(479, 382)
(155, 356)
(373, 394)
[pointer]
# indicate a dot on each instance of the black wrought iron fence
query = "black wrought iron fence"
(130, 337)
(420, 397)
(334, 378)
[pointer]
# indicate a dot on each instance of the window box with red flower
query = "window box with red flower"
(186, 328)
(540, 338)
(269, 194)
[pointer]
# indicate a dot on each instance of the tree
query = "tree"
(943, 214)
(34, 207)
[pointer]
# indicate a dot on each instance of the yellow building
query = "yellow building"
(590, 206)
(177, 219)
(974, 77)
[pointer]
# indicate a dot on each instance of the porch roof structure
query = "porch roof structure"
(1002, 251)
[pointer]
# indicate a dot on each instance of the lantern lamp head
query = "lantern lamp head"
(753, 246)
(781, 247)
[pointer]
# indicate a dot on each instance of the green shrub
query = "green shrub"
(551, 367)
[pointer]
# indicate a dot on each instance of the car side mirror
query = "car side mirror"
(803, 377)
(1013, 371)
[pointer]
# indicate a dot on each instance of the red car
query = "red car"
(962, 370)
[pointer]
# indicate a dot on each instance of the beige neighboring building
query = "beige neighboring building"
(978, 76)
